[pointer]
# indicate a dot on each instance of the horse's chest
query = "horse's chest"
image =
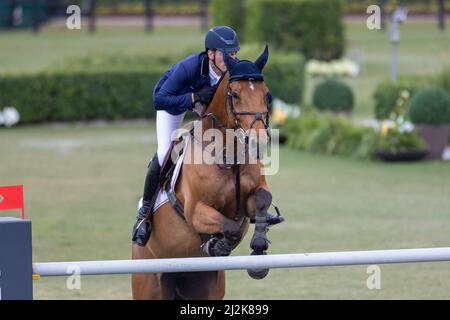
(221, 191)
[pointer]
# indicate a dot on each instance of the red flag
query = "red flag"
(11, 197)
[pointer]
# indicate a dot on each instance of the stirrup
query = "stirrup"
(272, 219)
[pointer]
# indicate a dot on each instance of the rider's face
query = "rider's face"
(218, 56)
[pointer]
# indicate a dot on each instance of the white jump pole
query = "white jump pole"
(321, 259)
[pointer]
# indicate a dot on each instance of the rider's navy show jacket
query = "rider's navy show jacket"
(173, 92)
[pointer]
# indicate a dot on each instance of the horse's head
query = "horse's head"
(247, 100)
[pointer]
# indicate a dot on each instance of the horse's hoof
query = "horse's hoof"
(259, 244)
(208, 246)
(258, 274)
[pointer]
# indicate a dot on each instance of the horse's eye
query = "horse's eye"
(235, 96)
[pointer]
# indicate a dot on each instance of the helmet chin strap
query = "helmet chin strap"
(214, 60)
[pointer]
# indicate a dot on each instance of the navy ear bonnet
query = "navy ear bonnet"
(245, 69)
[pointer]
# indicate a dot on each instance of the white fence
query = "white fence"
(243, 262)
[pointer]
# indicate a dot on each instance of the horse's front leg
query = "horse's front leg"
(227, 233)
(261, 201)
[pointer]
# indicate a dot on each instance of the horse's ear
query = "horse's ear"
(229, 62)
(262, 59)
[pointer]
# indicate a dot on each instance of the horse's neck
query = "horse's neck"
(218, 106)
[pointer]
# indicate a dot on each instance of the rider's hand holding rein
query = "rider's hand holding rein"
(204, 95)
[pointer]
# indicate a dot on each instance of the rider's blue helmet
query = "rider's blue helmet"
(222, 38)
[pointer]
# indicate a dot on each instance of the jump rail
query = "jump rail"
(321, 259)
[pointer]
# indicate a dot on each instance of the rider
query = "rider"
(186, 83)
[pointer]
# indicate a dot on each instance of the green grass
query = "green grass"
(423, 50)
(82, 184)
(22, 51)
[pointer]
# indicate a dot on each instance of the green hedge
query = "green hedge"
(284, 76)
(284, 73)
(231, 13)
(328, 134)
(102, 86)
(312, 27)
(69, 97)
(117, 87)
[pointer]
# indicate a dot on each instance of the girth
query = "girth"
(173, 200)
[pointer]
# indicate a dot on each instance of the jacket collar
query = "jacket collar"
(204, 69)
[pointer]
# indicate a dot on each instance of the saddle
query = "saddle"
(171, 166)
(173, 153)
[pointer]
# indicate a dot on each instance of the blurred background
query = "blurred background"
(362, 102)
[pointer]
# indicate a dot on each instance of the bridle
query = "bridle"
(258, 116)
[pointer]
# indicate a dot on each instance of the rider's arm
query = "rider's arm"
(168, 96)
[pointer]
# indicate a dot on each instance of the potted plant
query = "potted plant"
(430, 112)
(398, 141)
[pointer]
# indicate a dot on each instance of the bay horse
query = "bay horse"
(218, 201)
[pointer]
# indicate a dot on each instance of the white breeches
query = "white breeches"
(166, 124)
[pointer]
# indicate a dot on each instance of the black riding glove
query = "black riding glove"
(204, 95)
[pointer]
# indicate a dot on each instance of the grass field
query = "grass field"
(54, 45)
(423, 50)
(82, 185)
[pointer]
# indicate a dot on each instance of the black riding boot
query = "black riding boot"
(142, 228)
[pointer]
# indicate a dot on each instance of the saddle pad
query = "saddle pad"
(162, 195)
